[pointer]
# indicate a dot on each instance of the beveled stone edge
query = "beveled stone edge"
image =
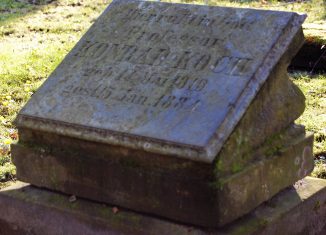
(107, 136)
(204, 154)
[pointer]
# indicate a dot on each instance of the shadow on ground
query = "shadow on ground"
(11, 9)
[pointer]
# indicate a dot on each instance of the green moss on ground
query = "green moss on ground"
(320, 168)
(314, 117)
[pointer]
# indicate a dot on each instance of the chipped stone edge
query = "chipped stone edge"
(205, 154)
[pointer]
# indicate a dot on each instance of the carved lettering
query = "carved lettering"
(187, 18)
(142, 56)
(185, 60)
(231, 65)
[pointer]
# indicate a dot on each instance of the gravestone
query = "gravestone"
(180, 111)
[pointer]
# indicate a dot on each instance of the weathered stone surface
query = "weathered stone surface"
(193, 193)
(275, 108)
(166, 78)
(29, 210)
(261, 180)
(138, 112)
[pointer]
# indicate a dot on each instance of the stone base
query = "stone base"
(194, 195)
(28, 210)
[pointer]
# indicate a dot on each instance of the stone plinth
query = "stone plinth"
(29, 210)
(191, 193)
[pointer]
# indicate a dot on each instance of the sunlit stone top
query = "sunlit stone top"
(167, 78)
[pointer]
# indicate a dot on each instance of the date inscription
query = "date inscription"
(121, 89)
(113, 95)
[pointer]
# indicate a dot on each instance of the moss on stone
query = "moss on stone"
(236, 167)
(254, 224)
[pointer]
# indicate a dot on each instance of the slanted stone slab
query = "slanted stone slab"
(28, 210)
(165, 78)
(172, 110)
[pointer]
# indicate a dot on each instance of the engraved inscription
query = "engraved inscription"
(171, 63)
(112, 94)
(185, 17)
(187, 60)
(137, 75)
(93, 87)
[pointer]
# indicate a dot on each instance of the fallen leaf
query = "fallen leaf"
(14, 135)
(115, 210)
